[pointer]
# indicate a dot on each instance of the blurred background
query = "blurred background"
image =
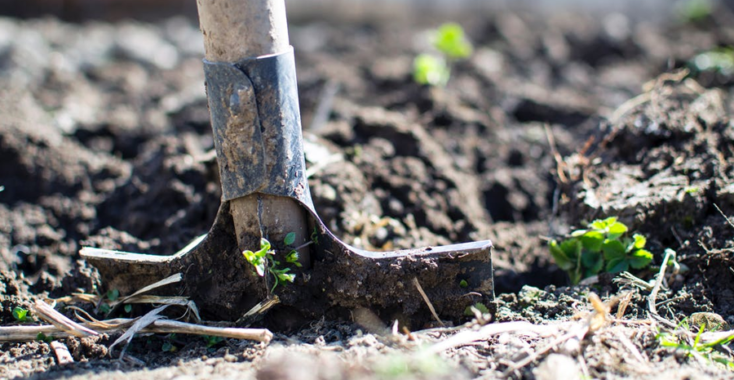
(79, 10)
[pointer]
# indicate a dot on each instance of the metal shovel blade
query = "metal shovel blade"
(341, 277)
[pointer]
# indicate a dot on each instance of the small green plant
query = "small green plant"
(693, 11)
(168, 347)
(263, 261)
(44, 338)
(452, 45)
(113, 294)
(315, 236)
(20, 314)
(698, 349)
(430, 70)
(719, 60)
(601, 246)
(482, 308)
(212, 341)
(463, 284)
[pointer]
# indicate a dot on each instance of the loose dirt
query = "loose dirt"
(554, 121)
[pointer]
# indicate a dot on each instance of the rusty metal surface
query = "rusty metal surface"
(340, 278)
(257, 127)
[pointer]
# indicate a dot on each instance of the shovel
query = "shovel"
(253, 102)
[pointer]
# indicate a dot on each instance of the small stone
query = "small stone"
(713, 321)
(557, 366)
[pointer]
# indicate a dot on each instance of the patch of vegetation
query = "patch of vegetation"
(719, 60)
(431, 70)
(480, 307)
(420, 365)
(451, 43)
(698, 349)
(20, 314)
(264, 262)
(111, 296)
(693, 11)
(44, 338)
(212, 341)
(602, 246)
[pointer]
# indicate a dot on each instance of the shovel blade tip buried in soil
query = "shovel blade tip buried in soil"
(218, 279)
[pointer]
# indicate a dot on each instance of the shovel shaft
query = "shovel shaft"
(238, 29)
(235, 30)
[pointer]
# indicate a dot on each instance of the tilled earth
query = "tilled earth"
(554, 121)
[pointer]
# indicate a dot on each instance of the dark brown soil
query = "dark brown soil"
(105, 141)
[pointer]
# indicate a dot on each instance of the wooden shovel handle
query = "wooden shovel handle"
(238, 29)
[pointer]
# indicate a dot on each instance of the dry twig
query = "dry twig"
(49, 314)
(160, 326)
(428, 301)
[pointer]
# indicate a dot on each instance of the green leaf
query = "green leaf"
(430, 70)
(212, 341)
(20, 314)
(560, 257)
(640, 241)
(592, 240)
(575, 277)
(168, 347)
(292, 257)
(578, 233)
(613, 249)
(104, 308)
(463, 284)
(640, 259)
(451, 41)
(288, 277)
(44, 338)
(617, 265)
(603, 224)
(264, 245)
(616, 230)
(572, 248)
(289, 238)
(593, 261)
(598, 225)
(128, 308)
(113, 294)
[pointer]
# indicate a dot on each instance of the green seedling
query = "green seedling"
(482, 308)
(601, 246)
(44, 338)
(113, 294)
(20, 314)
(212, 341)
(707, 351)
(263, 261)
(168, 347)
(315, 236)
(290, 238)
(430, 70)
(719, 60)
(693, 11)
(463, 284)
(451, 43)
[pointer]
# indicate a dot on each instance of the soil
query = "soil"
(554, 121)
